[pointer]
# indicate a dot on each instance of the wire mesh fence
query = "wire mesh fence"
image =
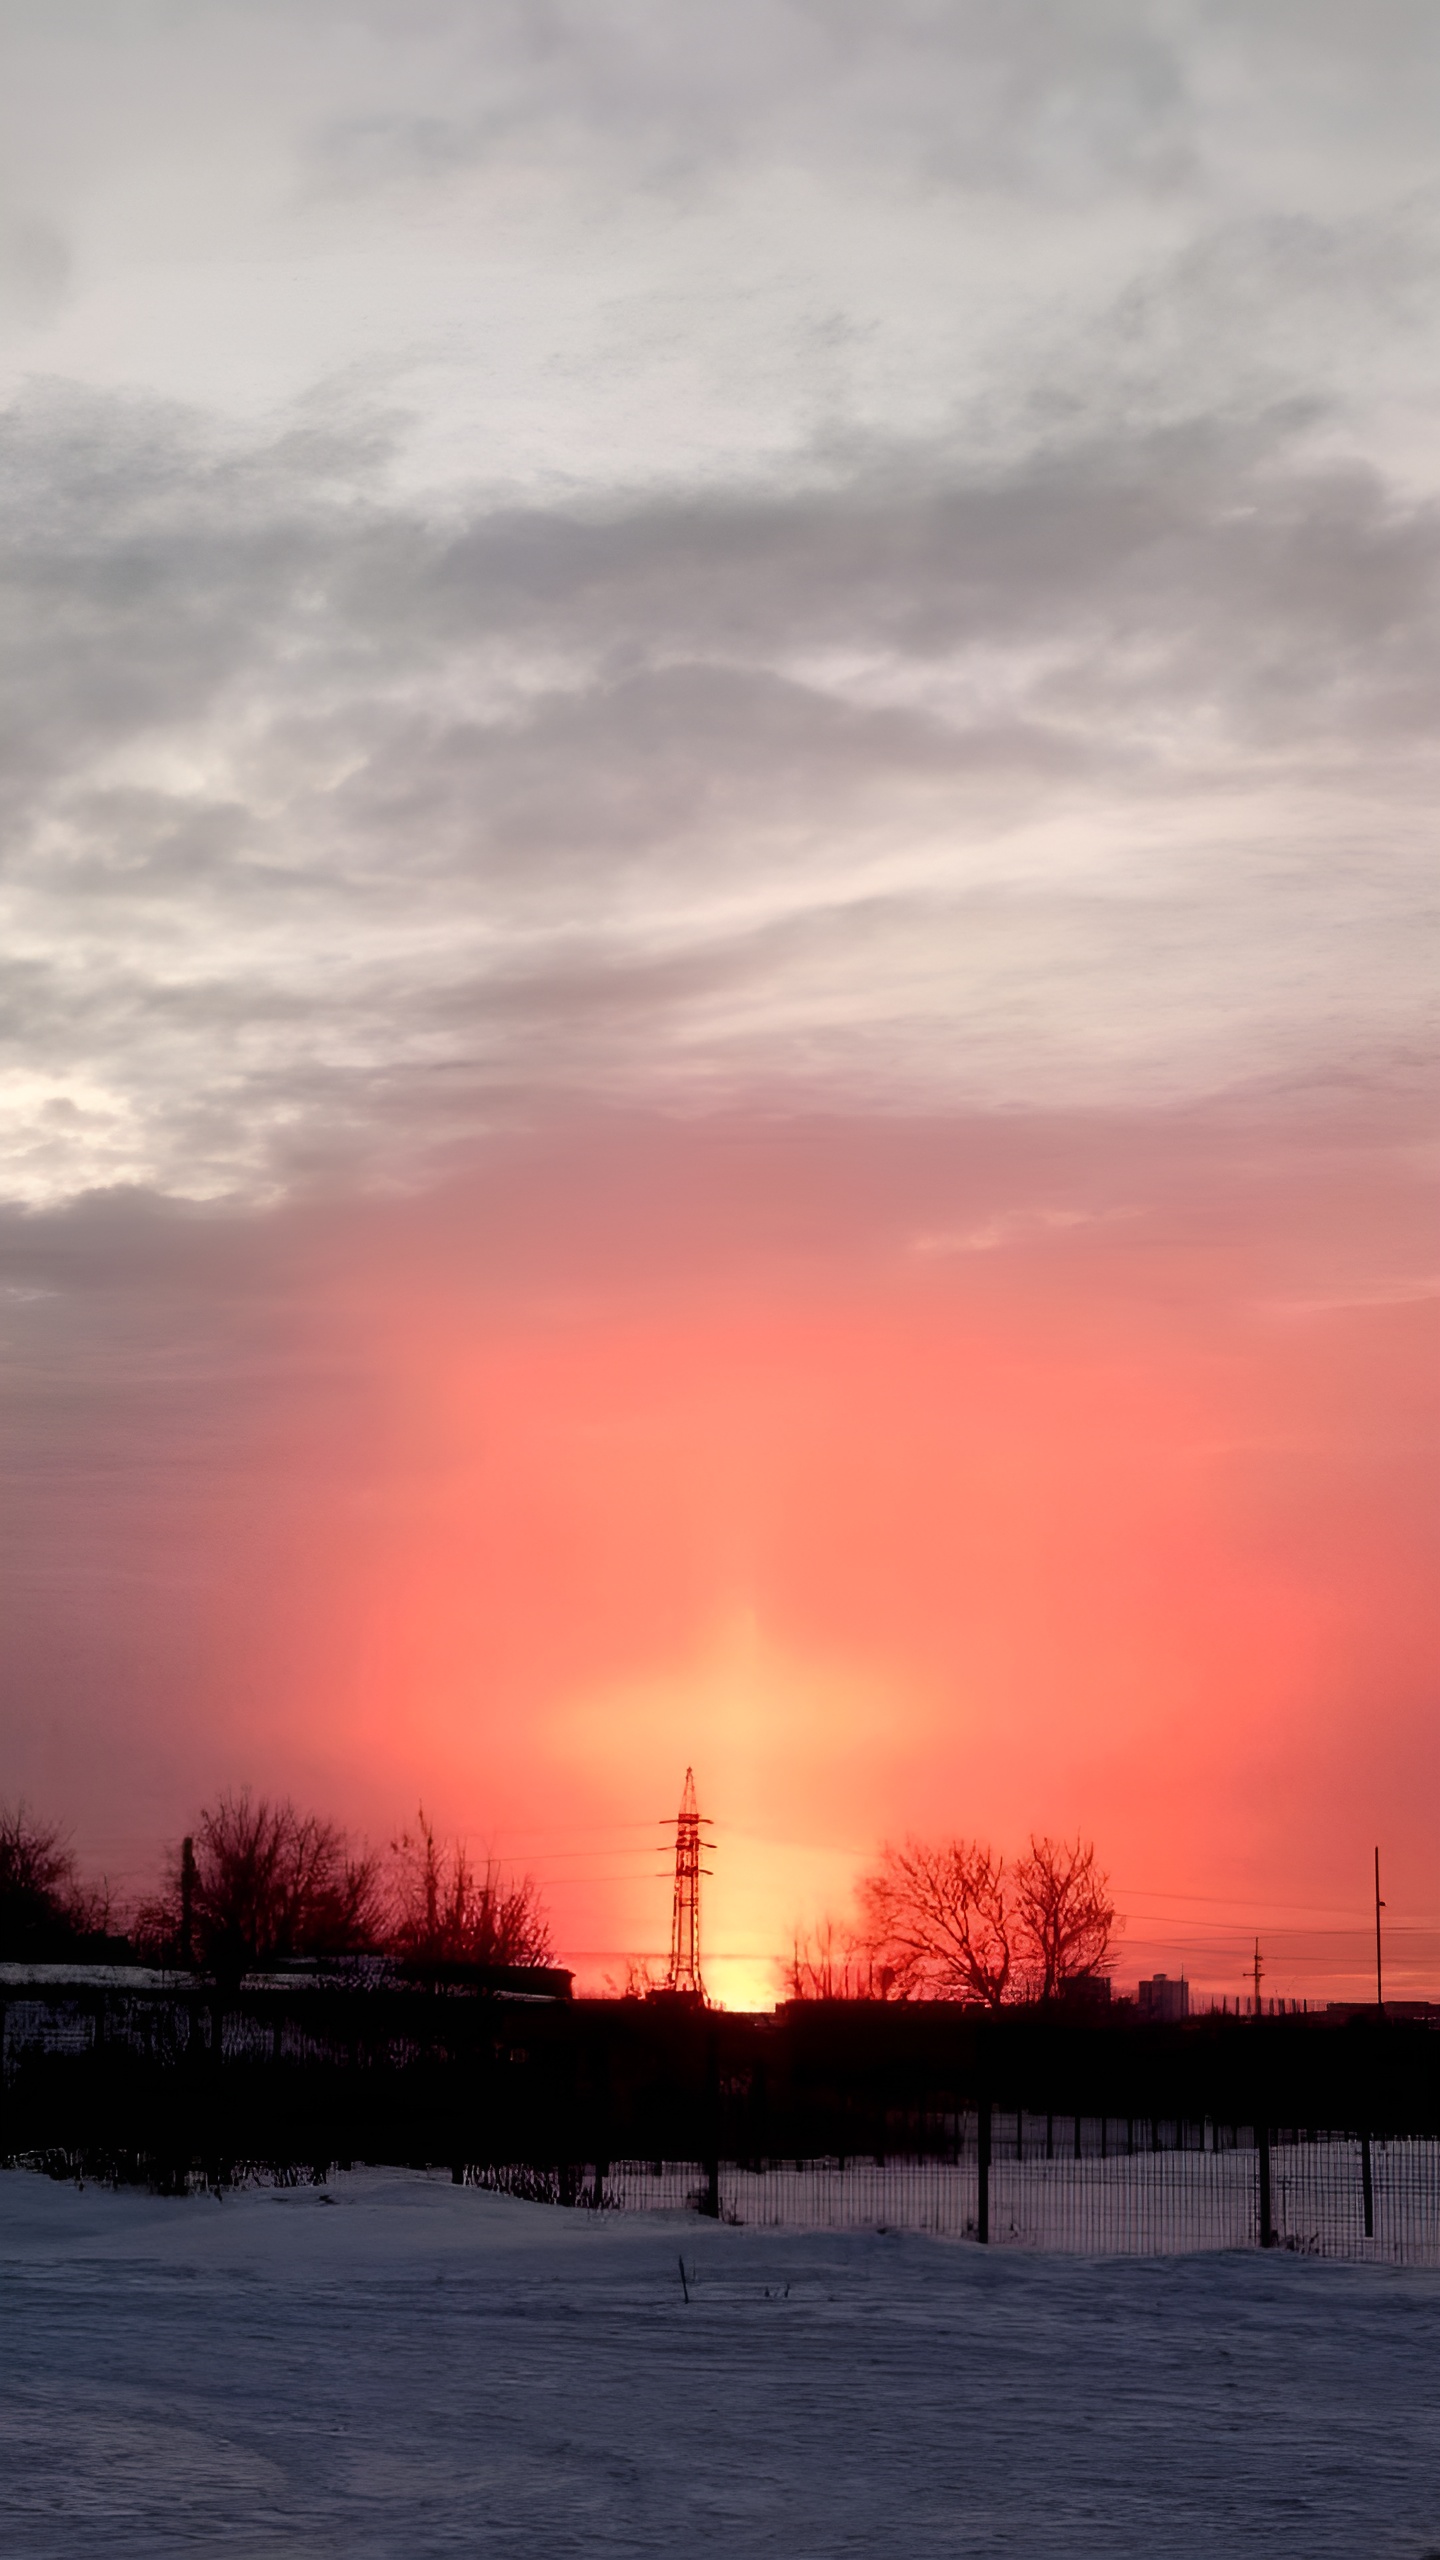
(1086, 2188)
(181, 2078)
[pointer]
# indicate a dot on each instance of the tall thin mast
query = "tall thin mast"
(1379, 1974)
(684, 1975)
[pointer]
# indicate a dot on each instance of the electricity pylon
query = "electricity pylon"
(684, 1975)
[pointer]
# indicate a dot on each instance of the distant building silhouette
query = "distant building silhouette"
(1162, 2000)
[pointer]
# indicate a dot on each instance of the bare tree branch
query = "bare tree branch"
(267, 1883)
(834, 1963)
(444, 1912)
(1064, 1915)
(938, 1915)
(45, 1909)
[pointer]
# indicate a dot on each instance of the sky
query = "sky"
(717, 943)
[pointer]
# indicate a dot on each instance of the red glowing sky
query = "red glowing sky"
(984, 1476)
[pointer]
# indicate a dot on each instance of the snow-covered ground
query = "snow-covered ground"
(396, 2366)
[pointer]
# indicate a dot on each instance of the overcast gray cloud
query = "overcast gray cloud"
(887, 554)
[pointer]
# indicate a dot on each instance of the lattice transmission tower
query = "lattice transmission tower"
(685, 1976)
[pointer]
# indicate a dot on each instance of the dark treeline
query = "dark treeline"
(46, 1913)
(258, 1883)
(969, 1969)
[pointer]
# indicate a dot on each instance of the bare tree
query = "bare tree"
(45, 1911)
(445, 1911)
(258, 1881)
(642, 1978)
(831, 1963)
(938, 1915)
(1064, 1917)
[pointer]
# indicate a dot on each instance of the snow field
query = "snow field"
(397, 2366)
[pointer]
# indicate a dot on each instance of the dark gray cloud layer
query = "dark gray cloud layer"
(316, 796)
(827, 551)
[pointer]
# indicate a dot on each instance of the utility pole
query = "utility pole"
(187, 1902)
(1379, 1974)
(1257, 1977)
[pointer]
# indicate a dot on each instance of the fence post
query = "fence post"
(601, 2079)
(1367, 2186)
(711, 2205)
(1267, 2226)
(982, 2196)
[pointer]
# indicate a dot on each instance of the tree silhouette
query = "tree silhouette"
(445, 1911)
(938, 1916)
(833, 1963)
(1064, 1916)
(950, 1920)
(268, 1882)
(45, 1912)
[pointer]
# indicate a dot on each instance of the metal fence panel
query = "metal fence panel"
(1080, 2194)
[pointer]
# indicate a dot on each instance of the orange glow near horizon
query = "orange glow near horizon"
(1046, 1598)
(1068, 1532)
